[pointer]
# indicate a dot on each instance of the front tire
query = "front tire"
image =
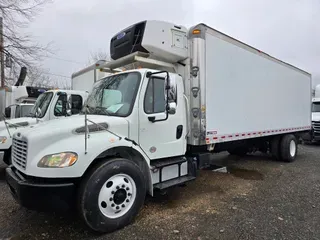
(111, 195)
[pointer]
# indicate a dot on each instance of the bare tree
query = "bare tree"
(41, 78)
(20, 49)
(99, 55)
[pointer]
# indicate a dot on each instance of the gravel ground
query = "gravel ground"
(258, 199)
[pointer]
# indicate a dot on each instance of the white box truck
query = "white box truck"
(17, 101)
(85, 78)
(53, 104)
(186, 94)
(314, 134)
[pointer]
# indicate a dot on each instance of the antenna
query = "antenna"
(86, 131)
(6, 124)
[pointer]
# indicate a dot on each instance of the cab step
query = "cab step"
(167, 162)
(173, 182)
(170, 172)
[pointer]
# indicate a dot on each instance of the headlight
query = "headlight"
(3, 139)
(58, 160)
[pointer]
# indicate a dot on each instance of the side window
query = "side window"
(17, 113)
(76, 104)
(154, 100)
(59, 109)
(7, 112)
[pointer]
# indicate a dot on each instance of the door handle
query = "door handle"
(152, 119)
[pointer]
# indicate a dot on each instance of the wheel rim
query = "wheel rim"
(292, 148)
(117, 196)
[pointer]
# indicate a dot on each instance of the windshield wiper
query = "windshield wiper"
(96, 110)
(30, 115)
(104, 110)
(6, 124)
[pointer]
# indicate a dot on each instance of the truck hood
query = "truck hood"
(63, 127)
(22, 122)
(316, 116)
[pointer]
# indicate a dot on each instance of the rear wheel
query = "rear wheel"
(289, 148)
(111, 195)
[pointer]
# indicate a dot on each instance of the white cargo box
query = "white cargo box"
(246, 93)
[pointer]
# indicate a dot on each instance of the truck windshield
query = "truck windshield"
(316, 107)
(43, 102)
(114, 95)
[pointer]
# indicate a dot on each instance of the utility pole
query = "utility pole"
(1, 52)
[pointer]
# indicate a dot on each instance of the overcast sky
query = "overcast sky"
(286, 29)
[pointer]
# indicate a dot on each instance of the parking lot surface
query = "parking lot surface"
(257, 199)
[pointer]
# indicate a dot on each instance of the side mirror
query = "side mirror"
(69, 106)
(172, 107)
(171, 89)
(171, 95)
(38, 112)
(69, 112)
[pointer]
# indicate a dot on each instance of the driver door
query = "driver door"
(165, 138)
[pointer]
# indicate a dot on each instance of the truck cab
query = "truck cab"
(137, 118)
(50, 105)
(313, 135)
(17, 101)
(18, 110)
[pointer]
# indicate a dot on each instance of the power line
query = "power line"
(63, 59)
(57, 75)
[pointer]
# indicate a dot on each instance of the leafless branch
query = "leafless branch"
(20, 47)
(99, 55)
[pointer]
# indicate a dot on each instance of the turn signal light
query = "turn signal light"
(196, 31)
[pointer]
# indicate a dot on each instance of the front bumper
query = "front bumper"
(40, 194)
(311, 136)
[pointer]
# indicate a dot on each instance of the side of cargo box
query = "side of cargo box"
(242, 99)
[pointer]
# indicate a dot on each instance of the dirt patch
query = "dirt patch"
(245, 173)
(206, 195)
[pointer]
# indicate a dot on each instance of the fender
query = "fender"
(127, 150)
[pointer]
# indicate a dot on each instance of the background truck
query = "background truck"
(85, 78)
(53, 104)
(186, 94)
(16, 101)
(314, 134)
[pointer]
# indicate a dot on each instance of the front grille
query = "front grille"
(19, 152)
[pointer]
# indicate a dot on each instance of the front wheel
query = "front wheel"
(111, 195)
